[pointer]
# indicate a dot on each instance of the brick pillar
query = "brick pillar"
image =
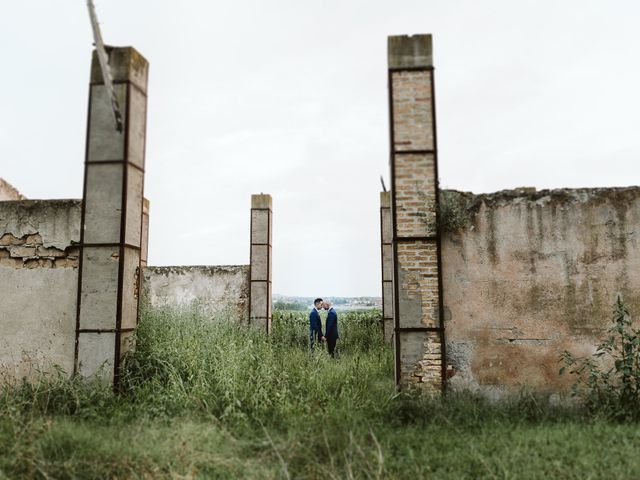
(419, 329)
(386, 254)
(111, 228)
(260, 304)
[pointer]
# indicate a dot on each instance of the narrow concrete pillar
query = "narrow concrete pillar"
(419, 329)
(260, 305)
(111, 225)
(144, 251)
(386, 255)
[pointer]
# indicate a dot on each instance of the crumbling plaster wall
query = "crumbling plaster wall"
(532, 274)
(39, 284)
(210, 290)
(9, 192)
(38, 269)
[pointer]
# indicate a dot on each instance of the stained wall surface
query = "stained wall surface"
(531, 274)
(214, 291)
(39, 272)
(39, 279)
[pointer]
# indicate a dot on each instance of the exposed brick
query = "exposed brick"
(9, 239)
(38, 263)
(23, 251)
(34, 239)
(11, 262)
(65, 263)
(50, 252)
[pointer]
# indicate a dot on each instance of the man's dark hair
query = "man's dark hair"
(317, 300)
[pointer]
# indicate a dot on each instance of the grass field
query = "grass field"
(214, 400)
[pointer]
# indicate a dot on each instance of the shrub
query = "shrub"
(454, 212)
(609, 382)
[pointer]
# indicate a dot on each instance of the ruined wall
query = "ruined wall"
(213, 290)
(39, 272)
(529, 274)
(9, 192)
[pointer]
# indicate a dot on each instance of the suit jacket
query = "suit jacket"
(315, 323)
(332, 324)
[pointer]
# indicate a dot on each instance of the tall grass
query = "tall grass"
(207, 398)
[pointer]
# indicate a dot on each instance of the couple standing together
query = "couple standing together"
(315, 325)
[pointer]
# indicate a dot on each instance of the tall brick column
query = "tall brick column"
(260, 304)
(111, 228)
(419, 329)
(386, 254)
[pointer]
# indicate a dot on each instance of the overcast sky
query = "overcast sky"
(288, 97)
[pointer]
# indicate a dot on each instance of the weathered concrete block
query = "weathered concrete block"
(388, 300)
(259, 227)
(137, 127)
(105, 141)
(96, 354)
(130, 288)
(135, 188)
(260, 262)
(259, 298)
(387, 262)
(127, 65)
(406, 51)
(103, 205)
(261, 201)
(100, 266)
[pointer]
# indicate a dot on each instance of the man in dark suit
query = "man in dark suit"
(331, 330)
(315, 323)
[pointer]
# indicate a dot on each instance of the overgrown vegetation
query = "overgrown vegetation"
(454, 211)
(211, 399)
(609, 382)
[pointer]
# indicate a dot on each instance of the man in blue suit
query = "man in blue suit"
(331, 330)
(315, 323)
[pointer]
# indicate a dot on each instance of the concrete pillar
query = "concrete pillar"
(144, 251)
(260, 304)
(111, 225)
(386, 255)
(419, 329)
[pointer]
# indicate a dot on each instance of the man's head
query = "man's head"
(317, 303)
(326, 304)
